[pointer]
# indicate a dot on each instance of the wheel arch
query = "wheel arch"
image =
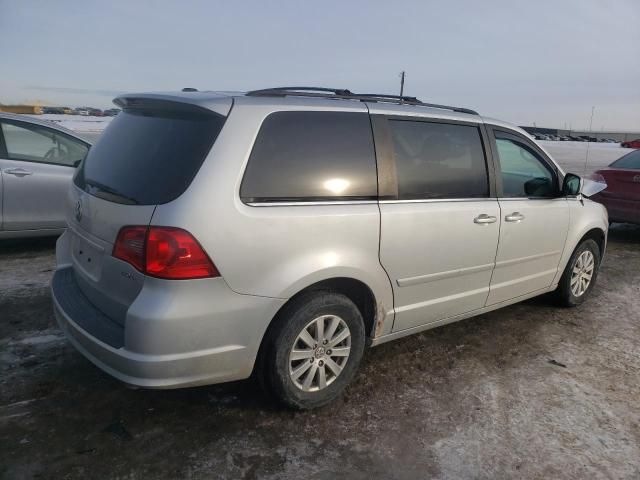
(356, 290)
(598, 235)
(588, 219)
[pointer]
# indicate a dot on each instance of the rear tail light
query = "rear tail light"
(164, 252)
(130, 246)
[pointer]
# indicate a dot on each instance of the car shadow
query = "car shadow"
(624, 233)
(18, 246)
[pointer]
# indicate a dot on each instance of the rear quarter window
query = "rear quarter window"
(148, 156)
(311, 156)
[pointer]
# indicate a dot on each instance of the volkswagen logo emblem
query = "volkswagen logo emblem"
(78, 210)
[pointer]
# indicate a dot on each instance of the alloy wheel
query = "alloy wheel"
(582, 273)
(319, 353)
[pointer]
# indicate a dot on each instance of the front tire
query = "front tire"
(580, 274)
(313, 350)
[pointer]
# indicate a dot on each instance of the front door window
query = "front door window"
(524, 173)
(35, 143)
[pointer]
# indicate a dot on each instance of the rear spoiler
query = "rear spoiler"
(178, 103)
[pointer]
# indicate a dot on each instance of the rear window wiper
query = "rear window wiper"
(102, 188)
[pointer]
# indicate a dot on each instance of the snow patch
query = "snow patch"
(40, 339)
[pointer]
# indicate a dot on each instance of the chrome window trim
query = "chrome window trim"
(515, 199)
(303, 203)
(419, 200)
(441, 200)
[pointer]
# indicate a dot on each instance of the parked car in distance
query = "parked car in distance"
(95, 112)
(67, 111)
(111, 112)
(82, 111)
(622, 195)
(631, 143)
(37, 161)
(54, 110)
(284, 235)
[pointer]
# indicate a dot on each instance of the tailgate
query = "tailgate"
(110, 284)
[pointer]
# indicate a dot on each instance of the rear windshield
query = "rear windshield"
(147, 157)
(630, 160)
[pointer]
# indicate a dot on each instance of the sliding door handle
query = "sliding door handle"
(18, 172)
(514, 217)
(484, 219)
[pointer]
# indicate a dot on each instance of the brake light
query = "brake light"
(130, 246)
(164, 252)
(174, 253)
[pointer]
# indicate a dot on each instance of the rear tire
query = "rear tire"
(313, 350)
(580, 274)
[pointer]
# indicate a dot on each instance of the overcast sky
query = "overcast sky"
(526, 61)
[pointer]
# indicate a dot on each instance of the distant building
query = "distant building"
(619, 136)
(31, 109)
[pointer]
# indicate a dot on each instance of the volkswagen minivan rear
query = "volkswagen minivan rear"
(129, 294)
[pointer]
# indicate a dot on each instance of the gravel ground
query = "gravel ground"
(529, 391)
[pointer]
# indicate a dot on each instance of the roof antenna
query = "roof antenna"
(401, 86)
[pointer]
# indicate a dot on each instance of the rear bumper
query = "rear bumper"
(164, 343)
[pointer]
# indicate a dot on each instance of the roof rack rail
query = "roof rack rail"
(412, 101)
(448, 107)
(284, 91)
(342, 93)
(382, 96)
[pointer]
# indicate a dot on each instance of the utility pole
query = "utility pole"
(586, 158)
(401, 85)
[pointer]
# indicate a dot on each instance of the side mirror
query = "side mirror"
(572, 185)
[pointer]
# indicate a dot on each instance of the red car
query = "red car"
(631, 143)
(622, 195)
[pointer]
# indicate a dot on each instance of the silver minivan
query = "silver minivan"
(279, 232)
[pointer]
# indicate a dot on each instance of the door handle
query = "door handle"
(18, 172)
(514, 217)
(484, 219)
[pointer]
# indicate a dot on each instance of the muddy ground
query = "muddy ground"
(530, 391)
